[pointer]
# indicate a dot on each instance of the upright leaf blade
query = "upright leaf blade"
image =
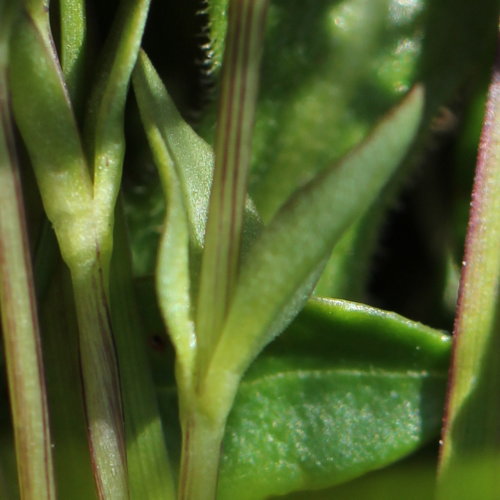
(181, 226)
(280, 270)
(105, 116)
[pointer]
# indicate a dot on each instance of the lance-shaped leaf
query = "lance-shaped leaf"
(280, 270)
(192, 157)
(105, 134)
(21, 335)
(470, 459)
(174, 144)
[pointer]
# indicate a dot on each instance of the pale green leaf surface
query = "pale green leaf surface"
(45, 119)
(281, 268)
(347, 389)
(173, 274)
(185, 162)
(192, 157)
(105, 115)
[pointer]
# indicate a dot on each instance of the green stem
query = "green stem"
(100, 383)
(201, 448)
(28, 397)
(149, 468)
(233, 143)
(470, 457)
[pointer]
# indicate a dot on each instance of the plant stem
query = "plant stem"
(20, 321)
(201, 447)
(100, 383)
(233, 142)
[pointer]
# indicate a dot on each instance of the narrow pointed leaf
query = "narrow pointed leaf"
(105, 134)
(192, 157)
(280, 271)
(185, 163)
(173, 274)
(469, 461)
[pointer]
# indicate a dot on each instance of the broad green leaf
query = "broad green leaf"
(469, 461)
(281, 268)
(324, 86)
(317, 76)
(347, 389)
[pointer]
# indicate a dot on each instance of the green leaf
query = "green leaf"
(281, 268)
(192, 157)
(308, 408)
(105, 116)
(346, 389)
(469, 461)
(324, 86)
(172, 145)
(45, 118)
(73, 21)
